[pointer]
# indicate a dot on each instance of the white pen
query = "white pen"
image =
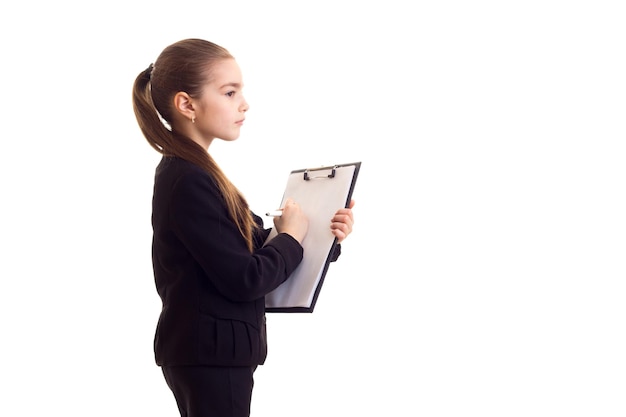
(275, 213)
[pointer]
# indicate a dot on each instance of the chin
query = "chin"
(230, 138)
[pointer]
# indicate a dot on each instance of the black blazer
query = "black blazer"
(212, 288)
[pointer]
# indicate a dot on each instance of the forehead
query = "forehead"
(225, 72)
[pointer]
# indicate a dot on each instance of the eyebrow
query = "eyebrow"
(234, 85)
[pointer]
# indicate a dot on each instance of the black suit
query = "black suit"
(211, 286)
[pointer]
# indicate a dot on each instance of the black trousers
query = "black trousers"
(211, 391)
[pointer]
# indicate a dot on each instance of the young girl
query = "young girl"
(211, 267)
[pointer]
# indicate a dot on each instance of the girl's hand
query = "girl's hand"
(293, 221)
(342, 221)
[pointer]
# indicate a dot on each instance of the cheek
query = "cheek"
(216, 119)
(218, 115)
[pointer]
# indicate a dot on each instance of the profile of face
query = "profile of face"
(220, 110)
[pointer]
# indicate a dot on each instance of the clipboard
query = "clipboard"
(320, 192)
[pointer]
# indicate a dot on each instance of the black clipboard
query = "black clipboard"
(320, 192)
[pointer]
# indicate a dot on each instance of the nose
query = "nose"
(245, 106)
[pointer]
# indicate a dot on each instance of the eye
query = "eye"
(230, 93)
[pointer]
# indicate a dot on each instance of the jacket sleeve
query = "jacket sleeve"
(202, 224)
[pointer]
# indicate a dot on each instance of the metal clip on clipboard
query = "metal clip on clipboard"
(307, 177)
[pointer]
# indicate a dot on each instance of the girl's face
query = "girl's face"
(220, 111)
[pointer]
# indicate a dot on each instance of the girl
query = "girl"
(211, 267)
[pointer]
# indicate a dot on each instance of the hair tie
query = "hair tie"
(149, 71)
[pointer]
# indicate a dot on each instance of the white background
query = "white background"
(485, 275)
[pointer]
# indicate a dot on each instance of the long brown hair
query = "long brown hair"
(185, 66)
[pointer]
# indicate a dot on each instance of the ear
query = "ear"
(184, 105)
